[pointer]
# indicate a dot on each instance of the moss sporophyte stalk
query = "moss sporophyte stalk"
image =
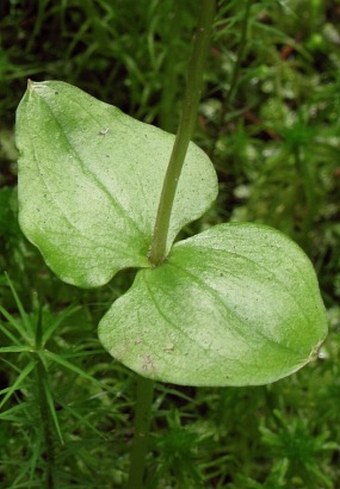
(239, 303)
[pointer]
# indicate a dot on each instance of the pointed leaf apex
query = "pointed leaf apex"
(90, 178)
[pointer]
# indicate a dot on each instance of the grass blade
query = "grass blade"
(17, 384)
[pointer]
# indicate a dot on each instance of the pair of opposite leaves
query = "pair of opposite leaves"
(238, 304)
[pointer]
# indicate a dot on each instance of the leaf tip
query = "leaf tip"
(315, 353)
(30, 85)
(33, 85)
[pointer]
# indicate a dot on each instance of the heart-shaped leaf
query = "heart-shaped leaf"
(236, 305)
(90, 179)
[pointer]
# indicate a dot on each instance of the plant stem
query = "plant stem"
(167, 116)
(185, 130)
(158, 248)
(145, 389)
(41, 377)
(46, 424)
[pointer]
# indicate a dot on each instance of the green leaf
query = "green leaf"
(51, 406)
(90, 179)
(18, 382)
(236, 305)
(15, 349)
(70, 366)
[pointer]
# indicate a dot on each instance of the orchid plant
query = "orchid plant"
(238, 304)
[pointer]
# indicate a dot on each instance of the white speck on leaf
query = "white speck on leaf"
(148, 363)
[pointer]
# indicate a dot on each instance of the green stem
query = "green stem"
(46, 424)
(167, 115)
(145, 389)
(158, 248)
(41, 377)
(185, 130)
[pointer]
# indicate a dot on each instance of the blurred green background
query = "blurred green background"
(270, 120)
